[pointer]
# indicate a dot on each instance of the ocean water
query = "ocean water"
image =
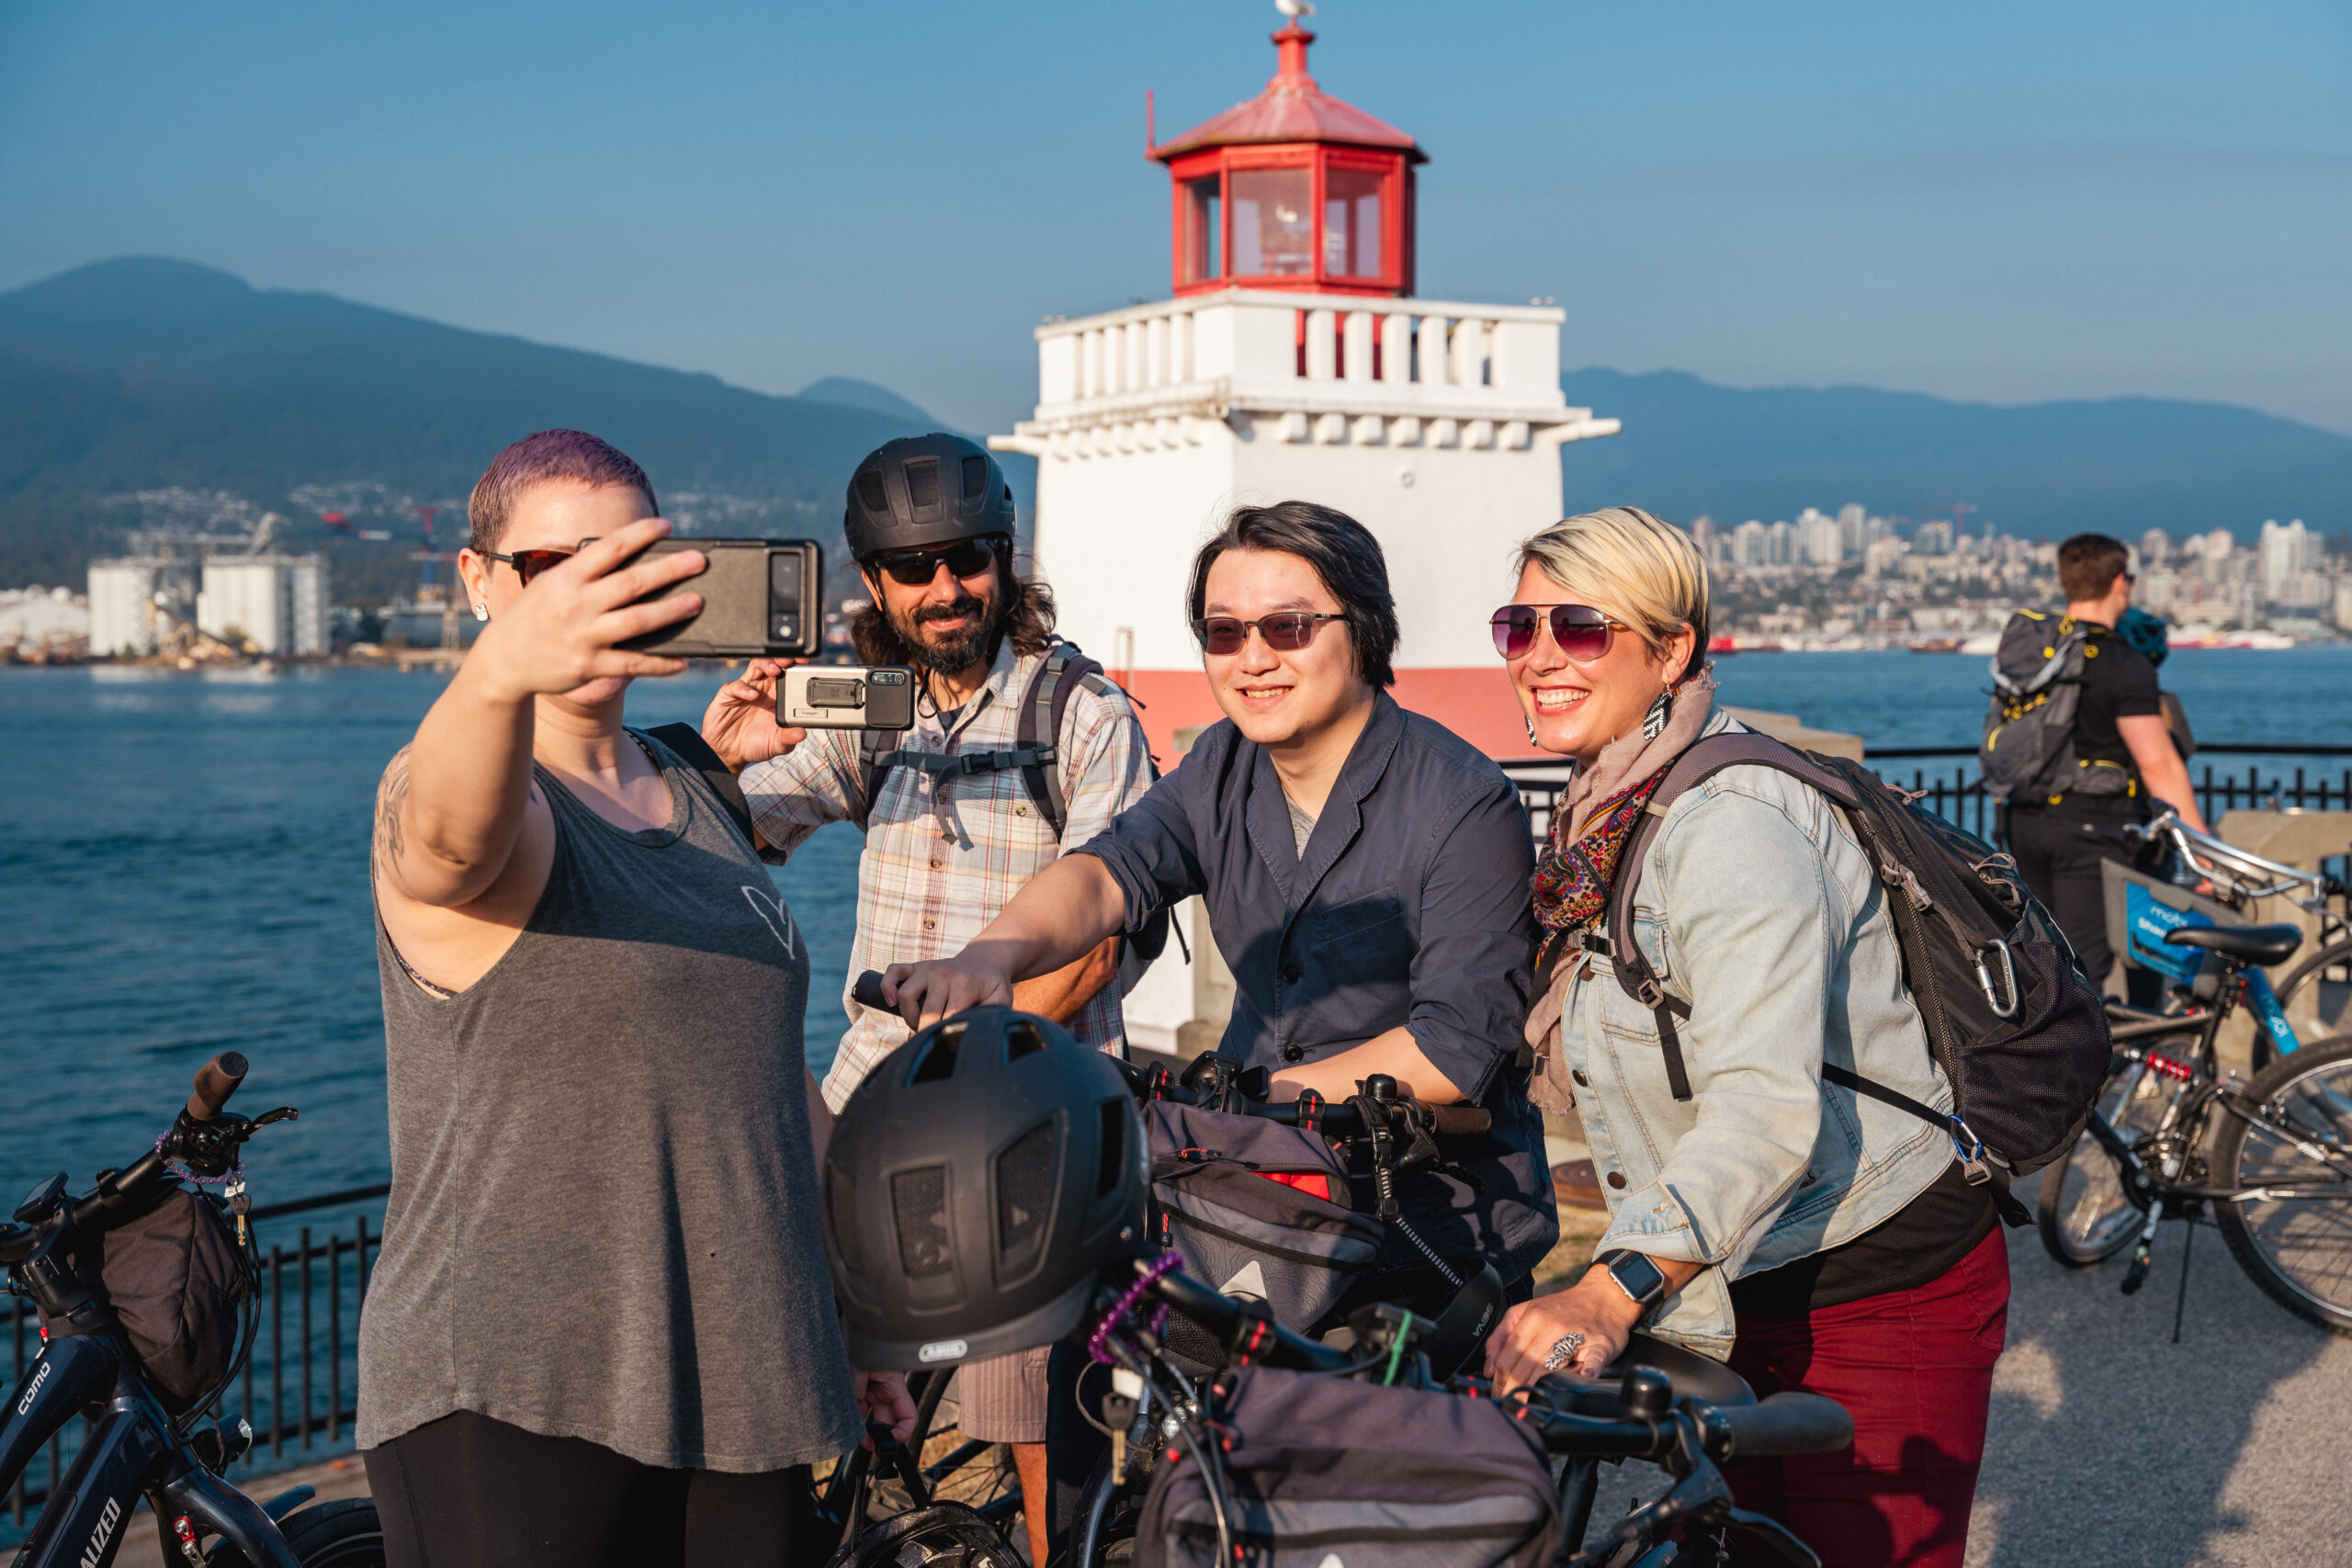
(183, 871)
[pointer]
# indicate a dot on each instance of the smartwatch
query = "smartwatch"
(1643, 1282)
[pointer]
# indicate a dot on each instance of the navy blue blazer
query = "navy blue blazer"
(1409, 908)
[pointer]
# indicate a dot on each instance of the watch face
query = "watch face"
(1643, 1280)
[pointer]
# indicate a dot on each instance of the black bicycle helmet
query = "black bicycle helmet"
(921, 491)
(977, 1183)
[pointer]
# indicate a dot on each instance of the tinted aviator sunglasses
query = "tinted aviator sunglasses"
(1579, 631)
(1287, 632)
(912, 569)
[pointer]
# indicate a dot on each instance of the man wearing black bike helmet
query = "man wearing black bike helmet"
(1020, 748)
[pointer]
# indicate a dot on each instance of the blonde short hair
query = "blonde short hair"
(1631, 567)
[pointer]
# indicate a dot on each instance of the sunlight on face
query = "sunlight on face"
(555, 514)
(1276, 697)
(1579, 707)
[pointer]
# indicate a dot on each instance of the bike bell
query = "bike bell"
(978, 1182)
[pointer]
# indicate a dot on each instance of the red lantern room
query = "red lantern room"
(1294, 189)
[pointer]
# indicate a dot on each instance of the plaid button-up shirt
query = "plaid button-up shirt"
(946, 851)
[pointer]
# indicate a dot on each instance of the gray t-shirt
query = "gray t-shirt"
(604, 1214)
(1302, 826)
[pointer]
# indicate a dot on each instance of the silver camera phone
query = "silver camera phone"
(846, 696)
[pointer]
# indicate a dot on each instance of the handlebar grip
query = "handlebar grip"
(1458, 1120)
(215, 1082)
(867, 991)
(1787, 1424)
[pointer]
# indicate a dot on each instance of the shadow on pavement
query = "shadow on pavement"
(2110, 1447)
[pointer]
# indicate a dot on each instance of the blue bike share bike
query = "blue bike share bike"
(2173, 1137)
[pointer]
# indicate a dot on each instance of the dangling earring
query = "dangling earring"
(1531, 728)
(482, 612)
(1653, 722)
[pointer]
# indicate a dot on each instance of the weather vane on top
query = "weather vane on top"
(1295, 9)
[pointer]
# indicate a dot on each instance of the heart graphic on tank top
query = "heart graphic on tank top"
(779, 917)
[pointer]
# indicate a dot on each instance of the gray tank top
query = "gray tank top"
(602, 1221)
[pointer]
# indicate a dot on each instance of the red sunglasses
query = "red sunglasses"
(528, 564)
(1579, 631)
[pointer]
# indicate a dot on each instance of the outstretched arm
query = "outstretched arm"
(450, 807)
(2161, 768)
(1066, 910)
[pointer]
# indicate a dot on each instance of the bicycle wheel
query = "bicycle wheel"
(2084, 1211)
(341, 1534)
(2295, 1242)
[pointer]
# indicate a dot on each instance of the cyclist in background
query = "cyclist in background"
(601, 1330)
(1819, 1241)
(930, 519)
(2061, 840)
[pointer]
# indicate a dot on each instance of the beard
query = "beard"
(951, 653)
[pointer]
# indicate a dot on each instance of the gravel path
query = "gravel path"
(2113, 1447)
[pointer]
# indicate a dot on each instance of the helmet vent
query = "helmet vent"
(1113, 1145)
(919, 1208)
(975, 479)
(870, 492)
(922, 483)
(1024, 1189)
(1021, 1039)
(938, 1061)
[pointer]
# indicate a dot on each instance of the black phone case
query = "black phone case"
(761, 599)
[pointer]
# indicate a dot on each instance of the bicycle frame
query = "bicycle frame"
(130, 1452)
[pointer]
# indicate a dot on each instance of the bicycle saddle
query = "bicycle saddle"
(2262, 946)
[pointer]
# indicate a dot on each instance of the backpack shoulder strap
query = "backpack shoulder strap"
(1706, 757)
(1042, 705)
(876, 749)
(695, 753)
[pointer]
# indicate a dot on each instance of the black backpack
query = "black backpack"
(2028, 749)
(2020, 1036)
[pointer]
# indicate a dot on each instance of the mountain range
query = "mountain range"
(144, 375)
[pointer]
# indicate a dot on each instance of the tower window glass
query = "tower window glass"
(1204, 235)
(1274, 222)
(1352, 222)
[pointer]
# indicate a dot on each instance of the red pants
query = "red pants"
(1916, 1369)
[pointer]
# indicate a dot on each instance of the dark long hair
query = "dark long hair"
(1026, 615)
(1344, 554)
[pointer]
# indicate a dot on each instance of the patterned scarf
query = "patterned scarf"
(1598, 812)
(1573, 877)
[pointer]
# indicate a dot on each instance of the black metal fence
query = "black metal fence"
(301, 1386)
(1959, 796)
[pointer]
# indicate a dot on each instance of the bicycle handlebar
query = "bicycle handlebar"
(1337, 1116)
(2251, 876)
(1787, 1424)
(215, 1082)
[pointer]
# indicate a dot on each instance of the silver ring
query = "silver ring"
(1566, 1346)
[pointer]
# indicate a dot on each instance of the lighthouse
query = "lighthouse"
(1293, 361)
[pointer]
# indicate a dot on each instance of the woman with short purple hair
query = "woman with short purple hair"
(601, 1330)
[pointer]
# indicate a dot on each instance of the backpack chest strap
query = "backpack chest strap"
(938, 763)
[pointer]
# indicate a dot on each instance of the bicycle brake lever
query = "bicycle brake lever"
(283, 1113)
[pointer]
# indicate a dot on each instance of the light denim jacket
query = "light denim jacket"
(1756, 909)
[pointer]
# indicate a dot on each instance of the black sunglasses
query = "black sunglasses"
(528, 564)
(912, 569)
(1579, 631)
(1284, 633)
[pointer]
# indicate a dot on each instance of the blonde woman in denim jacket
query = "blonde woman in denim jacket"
(1814, 1239)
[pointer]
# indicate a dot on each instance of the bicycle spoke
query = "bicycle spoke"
(2305, 1229)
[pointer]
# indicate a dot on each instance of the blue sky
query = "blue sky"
(1998, 201)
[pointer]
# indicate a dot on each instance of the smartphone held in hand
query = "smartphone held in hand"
(761, 599)
(846, 696)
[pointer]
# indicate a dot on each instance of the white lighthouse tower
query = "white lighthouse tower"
(1295, 363)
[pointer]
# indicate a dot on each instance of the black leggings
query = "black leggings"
(2060, 859)
(468, 1492)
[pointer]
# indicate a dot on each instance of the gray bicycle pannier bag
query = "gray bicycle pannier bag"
(175, 1279)
(1256, 1209)
(1325, 1468)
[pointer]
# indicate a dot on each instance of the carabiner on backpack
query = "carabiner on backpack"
(2009, 976)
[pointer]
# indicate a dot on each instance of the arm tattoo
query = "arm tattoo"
(390, 796)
